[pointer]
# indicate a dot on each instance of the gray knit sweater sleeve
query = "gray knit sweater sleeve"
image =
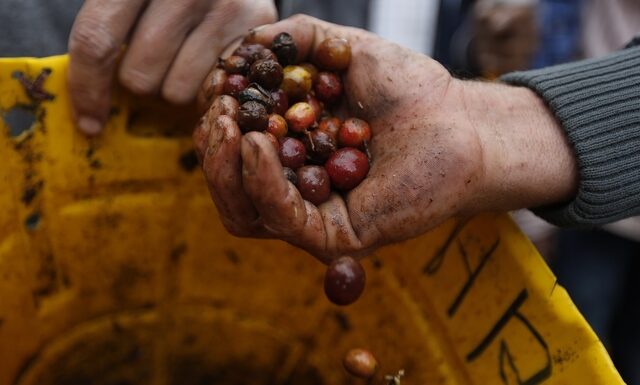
(597, 101)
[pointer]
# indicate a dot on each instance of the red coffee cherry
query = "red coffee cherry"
(347, 167)
(235, 84)
(344, 281)
(354, 132)
(328, 87)
(292, 153)
(281, 102)
(313, 184)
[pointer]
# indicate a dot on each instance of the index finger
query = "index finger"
(98, 33)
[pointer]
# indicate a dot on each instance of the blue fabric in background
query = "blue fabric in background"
(559, 26)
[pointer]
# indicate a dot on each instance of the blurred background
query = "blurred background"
(487, 38)
(483, 39)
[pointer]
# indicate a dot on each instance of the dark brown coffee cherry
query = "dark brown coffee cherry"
(235, 84)
(320, 145)
(360, 363)
(255, 93)
(313, 184)
(281, 102)
(292, 153)
(328, 87)
(253, 116)
(267, 54)
(250, 52)
(347, 167)
(333, 54)
(285, 48)
(277, 126)
(267, 73)
(300, 116)
(290, 175)
(344, 281)
(235, 65)
(354, 132)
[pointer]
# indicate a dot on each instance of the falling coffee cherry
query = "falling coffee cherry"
(344, 281)
(360, 363)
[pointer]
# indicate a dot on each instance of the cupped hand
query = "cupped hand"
(425, 165)
(171, 45)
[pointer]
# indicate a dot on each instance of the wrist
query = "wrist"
(527, 159)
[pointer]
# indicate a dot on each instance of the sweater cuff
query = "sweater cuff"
(597, 102)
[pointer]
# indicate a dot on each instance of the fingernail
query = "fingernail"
(89, 125)
(258, 28)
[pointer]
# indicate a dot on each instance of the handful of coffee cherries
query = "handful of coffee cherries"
(298, 107)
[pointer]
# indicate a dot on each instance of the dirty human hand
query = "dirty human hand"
(440, 148)
(171, 45)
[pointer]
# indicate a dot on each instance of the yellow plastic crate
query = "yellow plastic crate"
(114, 269)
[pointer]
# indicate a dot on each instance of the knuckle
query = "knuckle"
(137, 82)
(93, 43)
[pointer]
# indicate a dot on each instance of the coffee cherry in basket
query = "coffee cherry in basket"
(300, 116)
(292, 153)
(267, 73)
(253, 116)
(360, 363)
(333, 54)
(235, 84)
(354, 132)
(313, 184)
(344, 281)
(347, 167)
